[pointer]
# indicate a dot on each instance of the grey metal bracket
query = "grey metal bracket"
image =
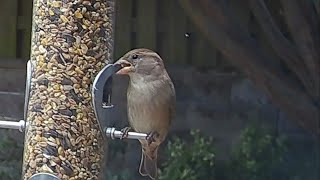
(102, 90)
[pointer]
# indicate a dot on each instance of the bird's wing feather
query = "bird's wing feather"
(172, 104)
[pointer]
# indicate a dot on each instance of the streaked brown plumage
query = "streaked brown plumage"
(151, 102)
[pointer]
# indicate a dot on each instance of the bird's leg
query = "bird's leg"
(152, 136)
(125, 132)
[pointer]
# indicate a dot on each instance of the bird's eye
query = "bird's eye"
(134, 56)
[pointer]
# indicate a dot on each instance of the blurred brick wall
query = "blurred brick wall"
(12, 86)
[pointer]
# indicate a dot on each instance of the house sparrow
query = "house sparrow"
(151, 102)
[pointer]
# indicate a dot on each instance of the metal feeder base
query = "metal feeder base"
(44, 176)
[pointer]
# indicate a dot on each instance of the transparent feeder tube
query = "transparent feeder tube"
(71, 42)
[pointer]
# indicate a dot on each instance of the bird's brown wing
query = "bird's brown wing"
(172, 106)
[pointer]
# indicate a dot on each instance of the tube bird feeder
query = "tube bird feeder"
(72, 40)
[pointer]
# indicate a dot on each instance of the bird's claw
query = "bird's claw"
(152, 136)
(125, 132)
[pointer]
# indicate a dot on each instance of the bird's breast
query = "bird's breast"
(148, 108)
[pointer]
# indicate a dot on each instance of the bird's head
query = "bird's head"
(140, 63)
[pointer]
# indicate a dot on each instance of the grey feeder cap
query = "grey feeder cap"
(44, 176)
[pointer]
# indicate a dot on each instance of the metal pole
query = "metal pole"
(13, 125)
(110, 132)
(113, 133)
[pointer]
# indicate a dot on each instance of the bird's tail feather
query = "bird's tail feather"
(148, 164)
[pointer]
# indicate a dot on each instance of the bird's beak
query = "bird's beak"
(126, 67)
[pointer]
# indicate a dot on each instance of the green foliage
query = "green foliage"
(302, 160)
(10, 170)
(189, 161)
(122, 175)
(115, 148)
(10, 157)
(259, 155)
